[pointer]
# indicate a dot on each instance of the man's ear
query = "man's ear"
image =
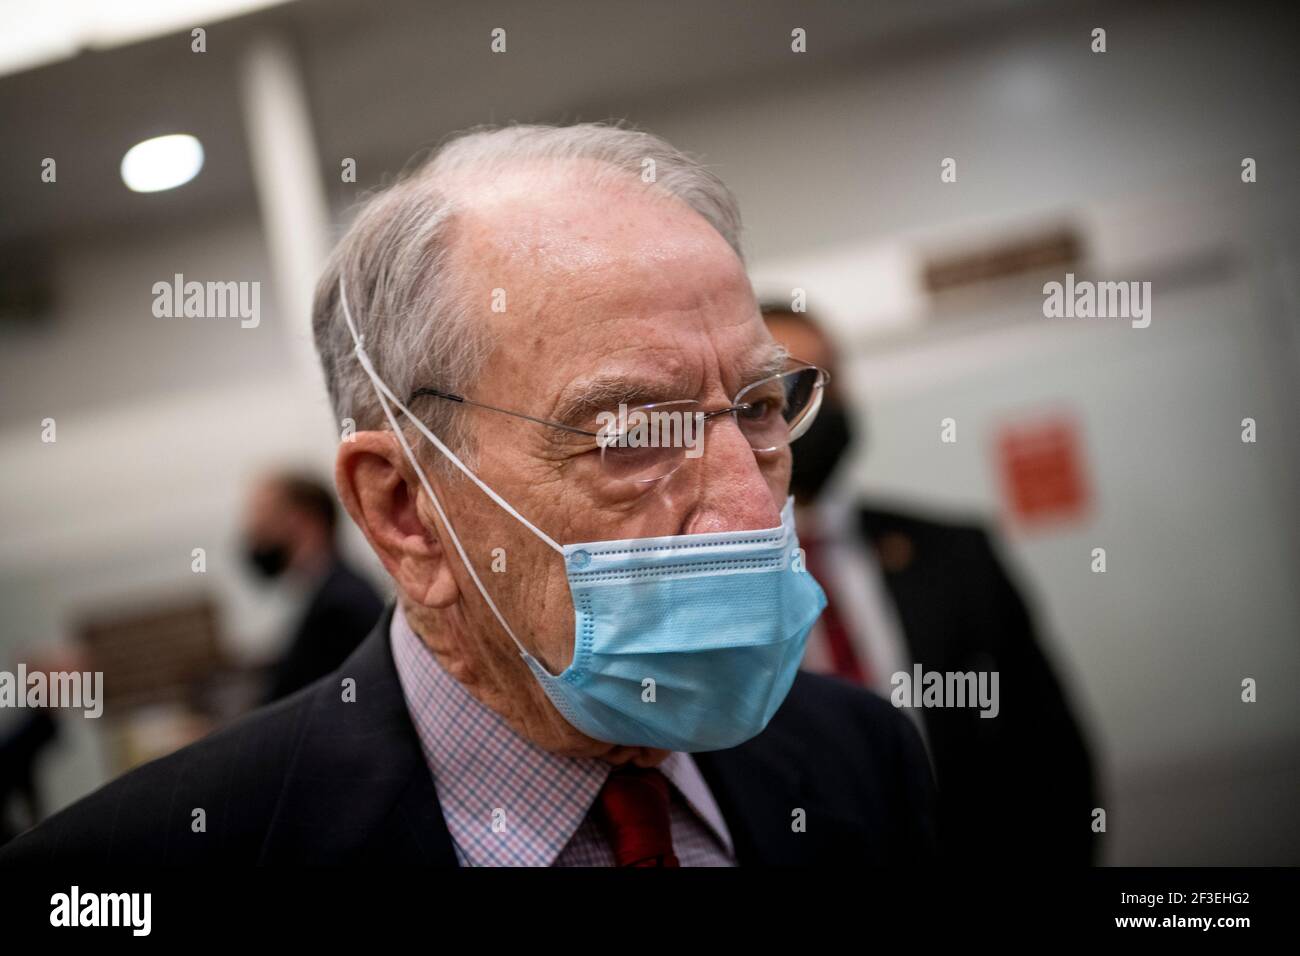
(379, 489)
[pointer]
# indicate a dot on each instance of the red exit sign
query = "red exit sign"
(1041, 463)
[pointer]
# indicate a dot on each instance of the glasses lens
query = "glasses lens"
(779, 409)
(649, 442)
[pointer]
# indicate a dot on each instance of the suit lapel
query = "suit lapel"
(761, 784)
(358, 788)
(913, 598)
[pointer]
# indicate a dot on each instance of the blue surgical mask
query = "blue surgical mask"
(685, 642)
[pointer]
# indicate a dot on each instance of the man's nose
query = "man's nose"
(732, 492)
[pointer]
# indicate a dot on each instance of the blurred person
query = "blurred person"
(26, 737)
(903, 590)
(21, 743)
(290, 531)
(628, 697)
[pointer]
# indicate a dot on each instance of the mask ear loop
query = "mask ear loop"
(382, 390)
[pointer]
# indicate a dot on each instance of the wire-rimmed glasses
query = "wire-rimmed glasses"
(646, 443)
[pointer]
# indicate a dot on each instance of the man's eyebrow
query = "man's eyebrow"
(580, 404)
(772, 360)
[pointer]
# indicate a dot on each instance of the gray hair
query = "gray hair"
(418, 327)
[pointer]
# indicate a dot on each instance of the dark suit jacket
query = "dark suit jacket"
(338, 617)
(1018, 787)
(312, 779)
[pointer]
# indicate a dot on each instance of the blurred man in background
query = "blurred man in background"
(290, 529)
(21, 742)
(904, 590)
(26, 737)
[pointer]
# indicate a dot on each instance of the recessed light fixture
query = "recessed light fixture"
(163, 162)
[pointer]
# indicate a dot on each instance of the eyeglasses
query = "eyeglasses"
(645, 443)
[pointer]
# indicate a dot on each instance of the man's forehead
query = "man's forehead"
(608, 284)
(561, 228)
(668, 342)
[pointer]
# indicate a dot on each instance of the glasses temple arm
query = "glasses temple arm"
(502, 411)
(743, 406)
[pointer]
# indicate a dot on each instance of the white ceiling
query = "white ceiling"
(386, 80)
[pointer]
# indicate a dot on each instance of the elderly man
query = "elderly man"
(572, 455)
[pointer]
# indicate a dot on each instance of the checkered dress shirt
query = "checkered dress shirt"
(508, 802)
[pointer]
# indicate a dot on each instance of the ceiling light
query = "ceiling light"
(164, 162)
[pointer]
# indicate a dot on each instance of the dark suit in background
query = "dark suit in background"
(341, 612)
(1018, 787)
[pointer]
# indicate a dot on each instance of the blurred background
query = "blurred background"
(1071, 435)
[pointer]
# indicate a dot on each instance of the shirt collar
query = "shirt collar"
(830, 519)
(506, 800)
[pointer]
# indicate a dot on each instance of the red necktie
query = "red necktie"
(843, 657)
(633, 807)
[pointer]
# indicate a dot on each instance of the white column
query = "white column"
(290, 191)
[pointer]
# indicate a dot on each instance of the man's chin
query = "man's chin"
(579, 745)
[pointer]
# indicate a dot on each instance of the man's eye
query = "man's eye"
(759, 410)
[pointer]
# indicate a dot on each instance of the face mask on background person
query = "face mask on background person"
(270, 560)
(682, 642)
(819, 451)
